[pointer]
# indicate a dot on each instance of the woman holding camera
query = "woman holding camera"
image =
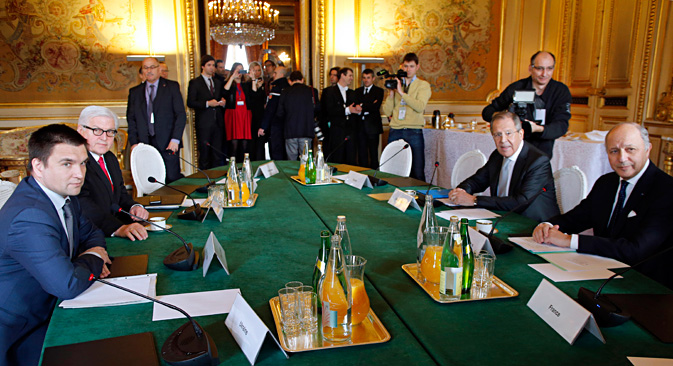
(237, 114)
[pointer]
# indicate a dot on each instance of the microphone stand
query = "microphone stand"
(378, 182)
(421, 199)
(193, 213)
(203, 189)
(335, 149)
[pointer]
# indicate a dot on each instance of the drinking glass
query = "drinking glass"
(307, 308)
(484, 266)
(288, 309)
(355, 267)
(432, 254)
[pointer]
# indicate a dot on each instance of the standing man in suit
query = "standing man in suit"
(48, 248)
(369, 97)
(205, 96)
(516, 171)
(298, 107)
(340, 109)
(156, 116)
(629, 210)
(103, 192)
(324, 118)
(272, 126)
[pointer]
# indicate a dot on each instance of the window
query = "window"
(236, 54)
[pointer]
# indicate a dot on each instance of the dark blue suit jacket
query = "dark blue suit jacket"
(36, 268)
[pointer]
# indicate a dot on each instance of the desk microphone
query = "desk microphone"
(188, 345)
(203, 189)
(217, 151)
(502, 246)
(191, 213)
(377, 182)
(337, 148)
(608, 314)
(182, 259)
(421, 198)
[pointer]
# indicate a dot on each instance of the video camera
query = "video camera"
(522, 99)
(391, 79)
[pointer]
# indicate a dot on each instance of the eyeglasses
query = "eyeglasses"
(99, 131)
(507, 134)
(150, 67)
(542, 68)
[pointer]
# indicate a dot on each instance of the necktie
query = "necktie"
(102, 166)
(212, 88)
(620, 204)
(67, 214)
(504, 176)
(366, 91)
(150, 110)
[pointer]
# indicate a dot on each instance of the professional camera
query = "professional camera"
(519, 106)
(391, 79)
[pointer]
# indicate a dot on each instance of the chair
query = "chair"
(401, 163)
(6, 190)
(466, 165)
(146, 162)
(571, 187)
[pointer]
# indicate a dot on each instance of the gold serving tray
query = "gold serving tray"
(499, 289)
(370, 331)
(334, 181)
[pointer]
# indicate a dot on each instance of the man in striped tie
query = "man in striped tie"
(103, 188)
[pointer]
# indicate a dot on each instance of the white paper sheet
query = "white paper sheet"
(556, 274)
(647, 361)
(187, 202)
(469, 213)
(196, 304)
(581, 262)
(447, 202)
(100, 294)
(530, 245)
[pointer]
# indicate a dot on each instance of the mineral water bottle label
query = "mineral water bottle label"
(329, 317)
(451, 279)
(321, 266)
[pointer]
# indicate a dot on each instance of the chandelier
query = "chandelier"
(241, 22)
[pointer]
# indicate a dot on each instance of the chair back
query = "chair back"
(6, 190)
(466, 165)
(401, 163)
(146, 162)
(571, 187)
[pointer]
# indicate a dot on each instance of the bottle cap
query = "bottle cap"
(341, 218)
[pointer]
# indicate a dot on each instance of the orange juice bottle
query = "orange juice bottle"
(334, 291)
(245, 192)
(233, 190)
(302, 172)
(360, 307)
(431, 263)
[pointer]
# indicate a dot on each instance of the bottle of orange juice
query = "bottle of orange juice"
(302, 164)
(335, 295)
(246, 182)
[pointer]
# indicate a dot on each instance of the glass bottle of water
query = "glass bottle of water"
(335, 296)
(246, 182)
(319, 165)
(468, 256)
(321, 260)
(451, 276)
(342, 231)
(233, 189)
(310, 168)
(428, 220)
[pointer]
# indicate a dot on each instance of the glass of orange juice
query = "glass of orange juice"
(432, 253)
(302, 172)
(355, 267)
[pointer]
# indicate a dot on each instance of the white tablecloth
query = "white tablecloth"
(446, 146)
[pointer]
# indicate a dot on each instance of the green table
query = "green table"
(277, 242)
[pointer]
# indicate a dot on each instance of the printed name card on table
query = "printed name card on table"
(401, 200)
(217, 209)
(562, 313)
(267, 170)
(248, 329)
(357, 180)
(213, 248)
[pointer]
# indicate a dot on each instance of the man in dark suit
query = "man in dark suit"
(369, 97)
(103, 191)
(48, 248)
(629, 209)
(272, 126)
(298, 107)
(515, 172)
(324, 118)
(204, 95)
(156, 116)
(340, 109)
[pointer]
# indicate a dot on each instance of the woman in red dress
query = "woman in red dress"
(237, 114)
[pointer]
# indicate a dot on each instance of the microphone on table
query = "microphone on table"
(188, 345)
(182, 259)
(191, 213)
(226, 158)
(377, 182)
(335, 149)
(421, 198)
(608, 314)
(203, 189)
(502, 246)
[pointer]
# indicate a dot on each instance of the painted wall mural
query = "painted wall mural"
(457, 42)
(67, 50)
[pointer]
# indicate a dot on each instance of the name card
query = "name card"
(401, 200)
(267, 170)
(213, 248)
(217, 209)
(357, 180)
(248, 329)
(480, 242)
(562, 313)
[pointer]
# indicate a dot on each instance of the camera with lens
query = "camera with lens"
(519, 106)
(391, 79)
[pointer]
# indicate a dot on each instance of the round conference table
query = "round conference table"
(277, 241)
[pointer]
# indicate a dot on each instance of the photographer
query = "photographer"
(405, 106)
(547, 118)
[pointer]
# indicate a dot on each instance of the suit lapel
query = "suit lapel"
(635, 198)
(94, 166)
(115, 174)
(494, 172)
(65, 245)
(161, 90)
(518, 169)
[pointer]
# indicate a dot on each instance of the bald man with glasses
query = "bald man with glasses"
(546, 119)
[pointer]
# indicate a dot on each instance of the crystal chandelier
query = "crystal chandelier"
(241, 22)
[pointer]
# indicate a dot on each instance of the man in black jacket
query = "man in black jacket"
(271, 124)
(298, 107)
(546, 119)
(340, 109)
(369, 125)
(515, 172)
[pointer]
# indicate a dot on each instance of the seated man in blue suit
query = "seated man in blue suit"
(48, 249)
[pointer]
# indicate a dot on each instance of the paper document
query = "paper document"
(100, 294)
(187, 202)
(196, 304)
(581, 262)
(381, 196)
(530, 245)
(469, 213)
(556, 274)
(447, 202)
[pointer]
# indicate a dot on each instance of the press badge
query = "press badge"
(402, 111)
(240, 102)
